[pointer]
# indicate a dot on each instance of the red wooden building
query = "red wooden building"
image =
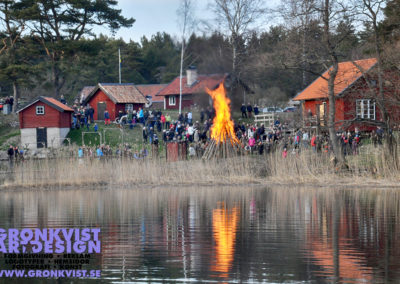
(150, 91)
(355, 92)
(114, 98)
(193, 89)
(44, 123)
(84, 93)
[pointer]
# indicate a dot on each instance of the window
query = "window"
(128, 108)
(365, 109)
(40, 110)
(172, 101)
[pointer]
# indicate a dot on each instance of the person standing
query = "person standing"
(18, 154)
(11, 104)
(163, 120)
(107, 120)
(305, 140)
(10, 153)
(256, 111)
(151, 135)
(141, 116)
(190, 117)
(202, 115)
(314, 143)
(91, 114)
(249, 110)
(243, 110)
(154, 146)
(62, 100)
(167, 121)
(80, 152)
(144, 133)
(99, 152)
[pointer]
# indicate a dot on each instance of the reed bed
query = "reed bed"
(368, 168)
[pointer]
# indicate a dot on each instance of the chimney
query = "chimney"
(191, 75)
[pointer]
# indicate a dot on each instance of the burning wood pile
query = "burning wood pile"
(224, 142)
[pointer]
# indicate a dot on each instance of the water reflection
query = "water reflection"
(330, 243)
(225, 234)
(225, 222)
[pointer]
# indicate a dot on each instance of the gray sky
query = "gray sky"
(153, 16)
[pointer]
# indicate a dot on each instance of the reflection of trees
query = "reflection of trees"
(265, 235)
(328, 236)
(351, 235)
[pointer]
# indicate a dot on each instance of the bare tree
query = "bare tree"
(186, 22)
(371, 11)
(299, 14)
(329, 13)
(239, 18)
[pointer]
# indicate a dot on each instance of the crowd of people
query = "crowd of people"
(15, 154)
(248, 110)
(157, 128)
(82, 116)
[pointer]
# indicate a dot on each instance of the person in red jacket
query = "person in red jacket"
(314, 143)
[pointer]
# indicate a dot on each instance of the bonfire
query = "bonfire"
(224, 142)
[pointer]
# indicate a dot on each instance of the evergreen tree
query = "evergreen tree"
(59, 25)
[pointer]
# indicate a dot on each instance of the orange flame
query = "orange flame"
(223, 126)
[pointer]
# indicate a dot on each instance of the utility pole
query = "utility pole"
(119, 56)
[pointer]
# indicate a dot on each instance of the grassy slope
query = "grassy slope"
(6, 131)
(113, 135)
(5, 134)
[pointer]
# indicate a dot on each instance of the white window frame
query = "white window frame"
(39, 110)
(366, 109)
(128, 107)
(171, 100)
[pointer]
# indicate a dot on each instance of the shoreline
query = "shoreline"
(343, 184)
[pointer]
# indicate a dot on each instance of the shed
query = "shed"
(114, 98)
(45, 122)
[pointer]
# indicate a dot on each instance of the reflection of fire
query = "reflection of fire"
(223, 127)
(224, 228)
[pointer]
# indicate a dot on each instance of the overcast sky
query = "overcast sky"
(153, 16)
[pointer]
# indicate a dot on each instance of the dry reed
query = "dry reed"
(304, 168)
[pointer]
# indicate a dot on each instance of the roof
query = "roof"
(51, 102)
(348, 73)
(119, 93)
(152, 90)
(203, 82)
(85, 92)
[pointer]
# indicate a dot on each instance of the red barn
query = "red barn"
(44, 123)
(193, 89)
(114, 98)
(355, 91)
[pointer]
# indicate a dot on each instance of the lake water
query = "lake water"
(224, 234)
